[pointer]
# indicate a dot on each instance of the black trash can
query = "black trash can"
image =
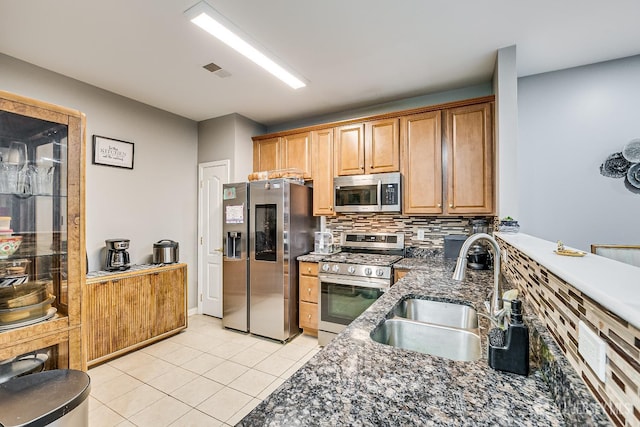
(58, 398)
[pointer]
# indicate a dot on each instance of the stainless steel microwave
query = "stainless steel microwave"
(368, 193)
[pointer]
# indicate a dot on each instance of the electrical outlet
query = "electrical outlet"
(593, 349)
(420, 234)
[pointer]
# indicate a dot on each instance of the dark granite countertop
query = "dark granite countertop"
(132, 268)
(356, 381)
(311, 257)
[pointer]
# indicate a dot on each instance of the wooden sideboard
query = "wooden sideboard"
(128, 310)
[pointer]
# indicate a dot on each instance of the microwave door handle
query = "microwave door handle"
(379, 195)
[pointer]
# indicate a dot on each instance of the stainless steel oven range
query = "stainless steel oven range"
(352, 280)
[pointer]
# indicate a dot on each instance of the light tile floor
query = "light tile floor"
(205, 376)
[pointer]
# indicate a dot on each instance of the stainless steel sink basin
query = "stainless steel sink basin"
(436, 340)
(437, 312)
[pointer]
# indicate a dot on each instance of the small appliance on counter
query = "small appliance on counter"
(117, 258)
(165, 252)
(479, 257)
(323, 243)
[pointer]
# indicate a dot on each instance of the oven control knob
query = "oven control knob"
(351, 269)
(367, 271)
(379, 272)
(336, 268)
(325, 267)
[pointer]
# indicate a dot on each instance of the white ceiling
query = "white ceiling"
(352, 52)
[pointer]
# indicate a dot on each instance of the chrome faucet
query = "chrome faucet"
(495, 312)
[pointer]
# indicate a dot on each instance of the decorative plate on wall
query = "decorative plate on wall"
(633, 175)
(616, 166)
(631, 151)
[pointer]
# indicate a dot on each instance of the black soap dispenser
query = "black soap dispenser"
(513, 354)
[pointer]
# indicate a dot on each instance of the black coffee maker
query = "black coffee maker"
(117, 256)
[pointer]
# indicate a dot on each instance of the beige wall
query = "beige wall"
(158, 198)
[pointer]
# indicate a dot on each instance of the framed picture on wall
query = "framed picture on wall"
(112, 152)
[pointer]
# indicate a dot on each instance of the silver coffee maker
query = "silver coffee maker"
(117, 258)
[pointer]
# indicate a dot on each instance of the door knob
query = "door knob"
(218, 250)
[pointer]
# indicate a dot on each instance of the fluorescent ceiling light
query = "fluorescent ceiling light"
(215, 24)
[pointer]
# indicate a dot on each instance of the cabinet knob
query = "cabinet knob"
(370, 166)
(439, 205)
(451, 205)
(330, 208)
(308, 269)
(309, 316)
(309, 291)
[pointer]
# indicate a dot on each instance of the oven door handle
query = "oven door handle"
(351, 282)
(379, 195)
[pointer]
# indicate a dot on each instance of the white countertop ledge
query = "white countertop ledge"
(613, 284)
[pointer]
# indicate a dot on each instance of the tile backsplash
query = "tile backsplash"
(560, 306)
(435, 228)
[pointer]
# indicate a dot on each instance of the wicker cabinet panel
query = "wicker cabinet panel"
(131, 311)
(134, 309)
(98, 325)
(170, 307)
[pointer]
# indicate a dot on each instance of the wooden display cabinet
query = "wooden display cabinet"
(42, 149)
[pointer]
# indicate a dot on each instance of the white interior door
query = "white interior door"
(212, 176)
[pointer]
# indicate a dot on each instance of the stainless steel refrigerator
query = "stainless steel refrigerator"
(281, 228)
(235, 261)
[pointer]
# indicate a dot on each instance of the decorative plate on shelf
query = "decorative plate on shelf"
(50, 313)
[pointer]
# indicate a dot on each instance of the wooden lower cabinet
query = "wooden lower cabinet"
(126, 311)
(308, 294)
(399, 274)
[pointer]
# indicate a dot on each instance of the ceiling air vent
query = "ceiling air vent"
(215, 69)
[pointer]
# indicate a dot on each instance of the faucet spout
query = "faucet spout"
(461, 267)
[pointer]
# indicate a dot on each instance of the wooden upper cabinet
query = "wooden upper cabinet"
(470, 164)
(296, 153)
(349, 150)
(421, 148)
(322, 145)
(266, 154)
(382, 146)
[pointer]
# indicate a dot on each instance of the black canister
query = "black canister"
(165, 252)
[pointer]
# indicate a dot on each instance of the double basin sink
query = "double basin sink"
(438, 328)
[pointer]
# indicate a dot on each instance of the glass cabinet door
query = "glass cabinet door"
(33, 220)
